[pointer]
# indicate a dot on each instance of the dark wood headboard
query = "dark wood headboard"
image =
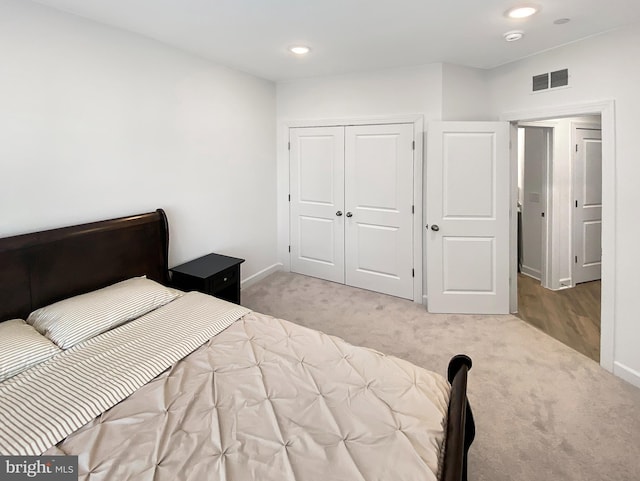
(43, 267)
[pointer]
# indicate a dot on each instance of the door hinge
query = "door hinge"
(413, 209)
(288, 145)
(289, 197)
(289, 248)
(576, 259)
(576, 203)
(413, 145)
(413, 272)
(576, 147)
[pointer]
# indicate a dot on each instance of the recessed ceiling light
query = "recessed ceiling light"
(562, 21)
(300, 49)
(522, 11)
(513, 35)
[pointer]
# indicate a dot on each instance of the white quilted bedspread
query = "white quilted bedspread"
(270, 400)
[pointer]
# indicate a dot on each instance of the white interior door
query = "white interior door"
(587, 218)
(317, 202)
(467, 205)
(379, 208)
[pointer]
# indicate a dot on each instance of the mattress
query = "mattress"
(266, 399)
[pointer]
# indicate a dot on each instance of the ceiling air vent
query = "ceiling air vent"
(559, 78)
(541, 82)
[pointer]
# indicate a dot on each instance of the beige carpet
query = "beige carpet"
(542, 410)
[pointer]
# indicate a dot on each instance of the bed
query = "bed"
(223, 393)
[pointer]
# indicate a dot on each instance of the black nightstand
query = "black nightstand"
(212, 274)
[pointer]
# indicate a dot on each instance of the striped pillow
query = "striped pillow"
(78, 318)
(22, 347)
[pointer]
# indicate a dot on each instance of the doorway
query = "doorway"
(559, 229)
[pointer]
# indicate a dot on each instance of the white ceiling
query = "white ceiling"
(353, 35)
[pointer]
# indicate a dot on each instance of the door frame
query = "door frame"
(606, 109)
(418, 178)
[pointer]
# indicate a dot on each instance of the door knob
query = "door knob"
(435, 228)
(349, 214)
(339, 213)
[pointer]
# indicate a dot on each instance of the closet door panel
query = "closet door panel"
(379, 204)
(317, 201)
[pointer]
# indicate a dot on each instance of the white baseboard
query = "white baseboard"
(628, 374)
(564, 284)
(258, 276)
(424, 300)
(528, 271)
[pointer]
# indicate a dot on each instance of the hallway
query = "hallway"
(572, 316)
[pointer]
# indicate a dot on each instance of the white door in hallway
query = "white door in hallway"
(587, 208)
(379, 168)
(317, 202)
(467, 205)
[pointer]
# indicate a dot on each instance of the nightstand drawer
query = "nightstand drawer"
(225, 278)
(212, 274)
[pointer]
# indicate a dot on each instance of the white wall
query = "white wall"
(600, 68)
(465, 93)
(533, 202)
(387, 92)
(439, 91)
(96, 123)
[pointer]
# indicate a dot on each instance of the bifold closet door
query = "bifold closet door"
(317, 201)
(379, 208)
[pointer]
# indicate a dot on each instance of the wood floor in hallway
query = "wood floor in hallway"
(572, 316)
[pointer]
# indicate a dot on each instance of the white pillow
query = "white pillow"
(22, 347)
(78, 318)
